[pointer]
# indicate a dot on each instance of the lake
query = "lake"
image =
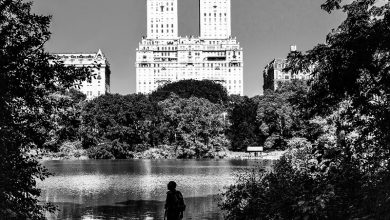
(136, 189)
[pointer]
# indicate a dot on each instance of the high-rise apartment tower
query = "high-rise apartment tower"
(163, 57)
(162, 19)
(215, 19)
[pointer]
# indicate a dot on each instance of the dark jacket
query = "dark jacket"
(171, 208)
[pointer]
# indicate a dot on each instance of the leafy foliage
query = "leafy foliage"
(194, 125)
(244, 128)
(354, 66)
(268, 120)
(275, 114)
(127, 119)
(117, 127)
(110, 150)
(26, 80)
(341, 171)
(65, 121)
(207, 89)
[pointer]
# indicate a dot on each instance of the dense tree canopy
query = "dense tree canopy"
(195, 125)
(268, 120)
(127, 119)
(354, 66)
(26, 80)
(207, 89)
(343, 172)
(275, 115)
(65, 121)
(244, 127)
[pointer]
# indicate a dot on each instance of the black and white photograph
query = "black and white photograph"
(194, 110)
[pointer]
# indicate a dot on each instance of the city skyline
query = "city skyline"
(265, 29)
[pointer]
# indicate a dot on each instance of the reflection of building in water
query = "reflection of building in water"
(163, 57)
(273, 73)
(147, 181)
(100, 83)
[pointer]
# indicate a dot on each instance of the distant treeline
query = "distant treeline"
(185, 119)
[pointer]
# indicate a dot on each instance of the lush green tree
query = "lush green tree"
(295, 92)
(27, 78)
(268, 120)
(282, 115)
(195, 126)
(232, 100)
(207, 89)
(66, 120)
(344, 172)
(244, 127)
(275, 115)
(127, 119)
(353, 65)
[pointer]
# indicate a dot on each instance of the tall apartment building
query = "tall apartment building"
(215, 19)
(100, 68)
(163, 57)
(273, 73)
(162, 19)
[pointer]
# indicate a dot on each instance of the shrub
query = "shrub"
(163, 152)
(70, 147)
(100, 152)
(297, 142)
(309, 182)
(110, 150)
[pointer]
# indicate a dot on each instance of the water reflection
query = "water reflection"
(136, 189)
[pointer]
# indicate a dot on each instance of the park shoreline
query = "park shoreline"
(268, 155)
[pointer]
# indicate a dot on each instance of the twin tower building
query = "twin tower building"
(164, 57)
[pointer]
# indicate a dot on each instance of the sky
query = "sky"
(264, 28)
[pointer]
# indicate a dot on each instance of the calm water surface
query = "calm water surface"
(136, 189)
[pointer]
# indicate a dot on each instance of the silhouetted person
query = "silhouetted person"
(174, 204)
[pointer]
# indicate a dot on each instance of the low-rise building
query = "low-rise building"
(274, 73)
(100, 68)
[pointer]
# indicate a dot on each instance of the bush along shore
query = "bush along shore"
(73, 151)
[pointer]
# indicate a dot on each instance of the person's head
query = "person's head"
(172, 185)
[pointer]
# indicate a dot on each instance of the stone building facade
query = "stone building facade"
(100, 67)
(163, 57)
(273, 73)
